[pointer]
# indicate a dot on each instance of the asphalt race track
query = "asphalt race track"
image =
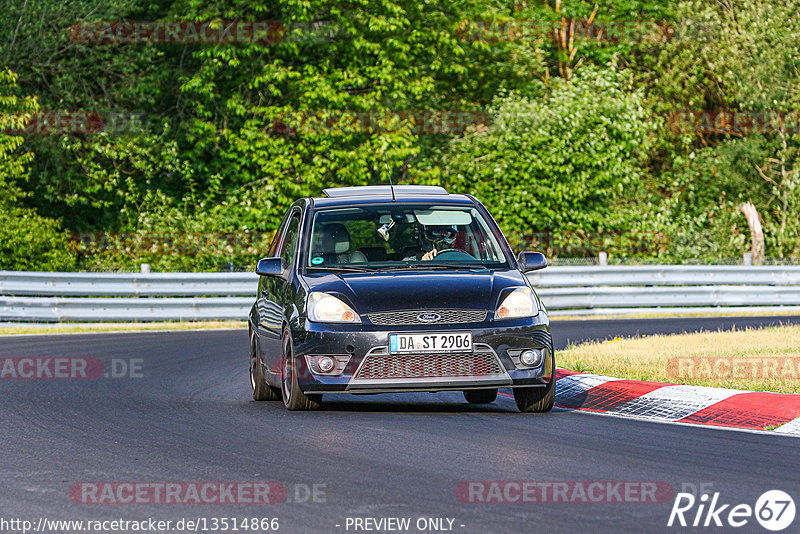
(189, 417)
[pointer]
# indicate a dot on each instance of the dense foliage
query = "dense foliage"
(560, 161)
(571, 108)
(27, 240)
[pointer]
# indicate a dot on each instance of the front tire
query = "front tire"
(293, 398)
(480, 396)
(538, 400)
(261, 390)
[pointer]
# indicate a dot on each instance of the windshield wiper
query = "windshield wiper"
(343, 269)
(438, 265)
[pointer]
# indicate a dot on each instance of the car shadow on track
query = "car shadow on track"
(420, 403)
(412, 407)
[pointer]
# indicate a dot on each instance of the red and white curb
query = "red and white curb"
(731, 408)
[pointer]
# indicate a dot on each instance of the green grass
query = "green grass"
(690, 359)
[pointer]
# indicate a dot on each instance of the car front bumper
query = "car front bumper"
(495, 344)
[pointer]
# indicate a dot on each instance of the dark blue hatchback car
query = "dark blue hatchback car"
(395, 289)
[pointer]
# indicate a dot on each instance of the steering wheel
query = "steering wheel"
(457, 251)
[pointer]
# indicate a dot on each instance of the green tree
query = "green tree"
(734, 56)
(562, 162)
(27, 240)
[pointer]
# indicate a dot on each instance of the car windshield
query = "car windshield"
(403, 236)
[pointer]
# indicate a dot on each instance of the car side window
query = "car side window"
(289, 245)
(276, 240)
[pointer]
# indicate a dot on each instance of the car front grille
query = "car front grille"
(398, 318)
(380, 365)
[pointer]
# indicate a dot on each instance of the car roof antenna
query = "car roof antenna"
(389, 172)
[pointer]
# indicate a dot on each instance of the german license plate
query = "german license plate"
(430, 342)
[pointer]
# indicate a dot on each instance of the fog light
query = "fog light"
(326, 364)
(532, 358)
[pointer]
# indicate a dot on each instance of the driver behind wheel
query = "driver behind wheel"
(434, 239)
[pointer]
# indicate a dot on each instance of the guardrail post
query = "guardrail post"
(748, 259)
(602, 258)
(145, 267)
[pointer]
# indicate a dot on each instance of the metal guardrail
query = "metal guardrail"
(58, 309)
(666, 275)
(126, 284)
(613, 290)
(55, 297)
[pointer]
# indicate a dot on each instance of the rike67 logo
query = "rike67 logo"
(774, 510)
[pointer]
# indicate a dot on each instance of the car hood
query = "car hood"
(417, 290)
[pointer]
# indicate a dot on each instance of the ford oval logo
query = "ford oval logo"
(429, 317)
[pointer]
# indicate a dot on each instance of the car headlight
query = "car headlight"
(519, 303)
(324, 308)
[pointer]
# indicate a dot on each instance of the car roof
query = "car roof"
(382, 194)
(383, 190)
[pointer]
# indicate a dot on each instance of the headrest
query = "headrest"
(335, 239)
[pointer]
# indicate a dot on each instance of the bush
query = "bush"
(558, 162)
(29, 242)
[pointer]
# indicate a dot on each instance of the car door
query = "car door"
(276, 295)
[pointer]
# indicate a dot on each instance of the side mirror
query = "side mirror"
(271, 267)
(531, 261)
